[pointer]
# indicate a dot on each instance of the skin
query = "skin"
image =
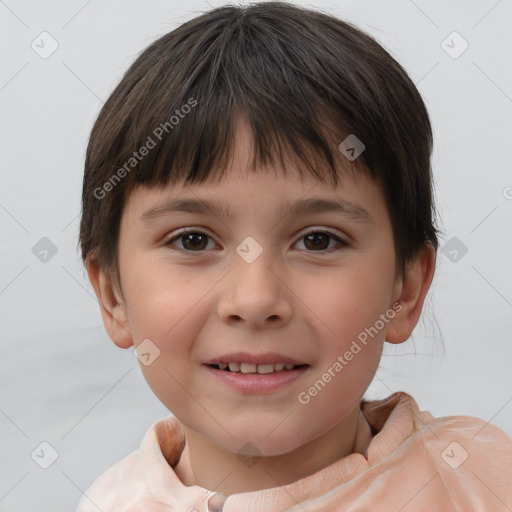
(295, 299)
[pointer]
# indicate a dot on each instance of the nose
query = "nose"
(256, 293)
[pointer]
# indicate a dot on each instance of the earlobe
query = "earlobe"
(414, 289)
(113, 310)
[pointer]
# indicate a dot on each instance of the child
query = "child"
(263, 131)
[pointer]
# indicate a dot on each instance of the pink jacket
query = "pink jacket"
(416, 463)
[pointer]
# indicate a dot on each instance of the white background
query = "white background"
(64, 382)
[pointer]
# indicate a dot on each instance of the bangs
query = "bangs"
(204, 151)
(185, 122)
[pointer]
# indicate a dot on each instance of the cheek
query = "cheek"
(161, 312)
(172, 326)
(160, 297)
(349, 301)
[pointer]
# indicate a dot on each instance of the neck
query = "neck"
(208, 465)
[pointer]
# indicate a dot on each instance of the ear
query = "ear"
(113, 309)
(411, 294)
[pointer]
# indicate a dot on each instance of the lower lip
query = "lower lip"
(258, 382)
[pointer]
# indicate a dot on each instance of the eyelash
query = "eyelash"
(342, 243)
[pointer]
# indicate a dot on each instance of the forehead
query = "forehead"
(260, 195)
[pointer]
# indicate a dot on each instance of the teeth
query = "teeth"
(265, 368)
(248, 367)
(255, 368)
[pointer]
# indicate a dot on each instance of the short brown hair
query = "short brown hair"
(303, 79)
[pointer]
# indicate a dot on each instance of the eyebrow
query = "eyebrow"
(351, 210)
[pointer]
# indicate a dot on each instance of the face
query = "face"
(307, 287)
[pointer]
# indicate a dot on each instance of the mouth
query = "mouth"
(257, 378)
(251, 368)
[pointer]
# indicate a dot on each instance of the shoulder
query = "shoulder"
(461, 461)
(130, 484)
(400, 407)
(121, 488)
(115, 489)
(461, 437)
(472, 459)
(469, 428)
(467, 436)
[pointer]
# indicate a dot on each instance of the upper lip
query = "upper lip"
(246, 357)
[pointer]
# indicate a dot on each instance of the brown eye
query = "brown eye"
(320, 241)
(317, 241)
(192, 241)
